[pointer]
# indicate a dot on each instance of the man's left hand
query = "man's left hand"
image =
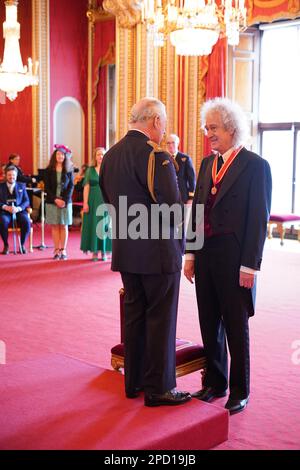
(247, 280)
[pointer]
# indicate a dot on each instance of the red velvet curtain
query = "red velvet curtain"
(215, 82)
(267, 11)
(103, 55)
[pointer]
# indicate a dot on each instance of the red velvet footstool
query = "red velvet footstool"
(189, 356)
(283, 221)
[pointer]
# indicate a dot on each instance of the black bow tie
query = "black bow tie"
(220, 163)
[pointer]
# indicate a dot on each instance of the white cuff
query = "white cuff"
(244, 269)
(189, 257)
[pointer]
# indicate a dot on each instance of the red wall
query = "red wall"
(68, 55)
(68, 73)
(16, 116)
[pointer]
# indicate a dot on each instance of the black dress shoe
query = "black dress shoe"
(208, 394)
(235, 406)
(23, 250)
(134, 393)
(5, 250)
(172, 397)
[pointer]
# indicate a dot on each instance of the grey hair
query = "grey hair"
(175, 137)
(232, 116)
(145, 109)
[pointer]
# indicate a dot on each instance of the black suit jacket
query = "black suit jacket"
(242, 205)
(186, 176)
(124, 173)
(20, 194)
(67, 186)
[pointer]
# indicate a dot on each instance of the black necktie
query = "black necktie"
(220, 163)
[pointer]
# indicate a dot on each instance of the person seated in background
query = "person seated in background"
(14, 159)
(13, 203)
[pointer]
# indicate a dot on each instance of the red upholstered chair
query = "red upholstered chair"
(282, 222)
(189, 356)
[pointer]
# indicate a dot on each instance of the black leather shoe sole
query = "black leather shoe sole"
(135, 393)
(236, 406)
(132, 394)
(166, 401)
(208, 396)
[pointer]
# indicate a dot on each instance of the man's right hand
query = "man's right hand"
(189, 270)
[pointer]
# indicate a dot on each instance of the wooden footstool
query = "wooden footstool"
(282, 222)
(189, 356)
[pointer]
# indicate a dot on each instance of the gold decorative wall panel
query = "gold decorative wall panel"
(192, 122)
(40, 94)
(126, 76)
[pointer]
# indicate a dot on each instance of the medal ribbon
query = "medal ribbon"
(217, 177)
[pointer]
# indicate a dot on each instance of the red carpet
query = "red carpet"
(72, 308)
(60, 403)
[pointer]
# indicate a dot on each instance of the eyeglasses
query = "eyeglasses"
(172, 142)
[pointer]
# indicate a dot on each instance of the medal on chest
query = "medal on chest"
(218, 176)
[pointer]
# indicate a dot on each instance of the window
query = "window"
(111, 106)
(279, 112)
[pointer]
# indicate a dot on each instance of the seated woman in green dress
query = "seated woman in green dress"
(91, 240)
(59, 187)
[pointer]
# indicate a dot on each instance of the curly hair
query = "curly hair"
(232, 116)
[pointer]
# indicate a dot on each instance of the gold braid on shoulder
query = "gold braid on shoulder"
(151, 166)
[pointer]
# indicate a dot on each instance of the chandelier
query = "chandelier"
(194, 26)
(14, 77)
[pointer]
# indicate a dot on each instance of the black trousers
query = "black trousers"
(150, 308)
(23, 223)
(223, 314)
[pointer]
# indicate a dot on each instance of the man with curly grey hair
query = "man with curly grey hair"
(234, 185)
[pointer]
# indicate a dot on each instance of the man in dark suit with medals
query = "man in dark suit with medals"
(13, 203)
(138, 177)
(184, 168)
(234, 185)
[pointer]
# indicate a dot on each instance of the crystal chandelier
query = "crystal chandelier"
(194, 26)
(14, 77)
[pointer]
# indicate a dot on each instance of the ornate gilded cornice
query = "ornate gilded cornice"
(96, 15)
(127, 12)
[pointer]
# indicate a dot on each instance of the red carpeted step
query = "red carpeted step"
(57, 402)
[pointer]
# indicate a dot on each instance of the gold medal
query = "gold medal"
(217, 176)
